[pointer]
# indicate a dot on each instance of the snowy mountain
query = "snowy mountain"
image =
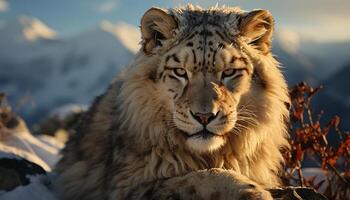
(306, 60)
(47, 71)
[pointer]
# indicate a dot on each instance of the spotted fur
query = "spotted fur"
(199, 114)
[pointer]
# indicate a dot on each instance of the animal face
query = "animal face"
(205, 77)
(205, 73)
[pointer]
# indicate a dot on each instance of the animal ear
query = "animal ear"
(257, 27)
(156, 25)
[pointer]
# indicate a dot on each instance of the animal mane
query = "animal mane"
(128, 134)
(254, 145)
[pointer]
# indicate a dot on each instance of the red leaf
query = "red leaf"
(335, 121)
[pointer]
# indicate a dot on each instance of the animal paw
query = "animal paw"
(255, 194)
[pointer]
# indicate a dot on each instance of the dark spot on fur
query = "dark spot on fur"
(287, 105)
(172, 77)
(167, 58)
(233, 58)
(194, 57)
(251, 186)
(214, 54)
(168, 68)
(152, 75)
(220, 35)
(176, 59)
(221, 45)
(239, 20)
(210, 43)
(244, 60)
(206, 32)
(190, 44)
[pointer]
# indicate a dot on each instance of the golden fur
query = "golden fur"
(140, 141)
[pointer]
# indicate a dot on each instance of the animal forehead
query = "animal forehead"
(205, 50)
(206, 32)
(193, 16)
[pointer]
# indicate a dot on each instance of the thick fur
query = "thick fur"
(131, 145)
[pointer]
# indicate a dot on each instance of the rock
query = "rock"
(15, 172)
(296, 193)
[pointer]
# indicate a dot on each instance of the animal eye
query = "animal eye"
(228, 73)
(180, 72)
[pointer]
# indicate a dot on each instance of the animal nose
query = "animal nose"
(204, 118)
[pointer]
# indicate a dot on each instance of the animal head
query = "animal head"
(206, 74)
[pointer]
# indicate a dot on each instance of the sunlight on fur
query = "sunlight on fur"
(203, 105)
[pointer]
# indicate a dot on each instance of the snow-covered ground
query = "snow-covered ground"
(38, 189)
(42, 150)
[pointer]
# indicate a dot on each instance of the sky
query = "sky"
(321, 20)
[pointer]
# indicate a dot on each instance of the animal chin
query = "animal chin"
(205, 141)
(204, 134)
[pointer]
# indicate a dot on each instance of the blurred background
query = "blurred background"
(58, 55)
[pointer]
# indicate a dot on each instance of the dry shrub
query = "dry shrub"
(312, 139)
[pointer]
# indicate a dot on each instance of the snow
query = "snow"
(22, 143)
(127, 33)
(35, 29)
(51, 141)
(31, 148)
(68, 109)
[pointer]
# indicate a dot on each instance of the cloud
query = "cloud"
(108, 6)
(333, 29)
(4, 6)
